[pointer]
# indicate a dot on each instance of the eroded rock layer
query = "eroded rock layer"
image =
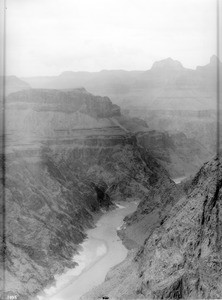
(66, 158)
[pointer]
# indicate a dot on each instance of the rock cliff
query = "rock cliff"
(200, 125)
(180, 155)
(66, 158)
(180, 258)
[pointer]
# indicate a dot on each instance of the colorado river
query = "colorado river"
(179, 179)
(100, 251)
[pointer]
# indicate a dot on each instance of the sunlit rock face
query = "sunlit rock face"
(67, 157)
(181, 258)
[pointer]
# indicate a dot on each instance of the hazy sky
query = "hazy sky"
(47, 37)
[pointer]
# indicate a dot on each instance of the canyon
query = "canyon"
(66, 159)
(167, 85)
(102, 250)
(71, 157)
(181, 259)
(168, 96)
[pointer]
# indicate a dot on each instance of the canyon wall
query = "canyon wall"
(181, 258)
(66, 159)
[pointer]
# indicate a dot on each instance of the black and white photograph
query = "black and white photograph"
(110, 149)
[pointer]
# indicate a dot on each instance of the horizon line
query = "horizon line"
(107, 70)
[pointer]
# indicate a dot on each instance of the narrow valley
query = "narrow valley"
(102, 206)
(101, 251)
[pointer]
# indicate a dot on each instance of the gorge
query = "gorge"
(71, 159)
(181, 259)
(100, 251)
(66, 159)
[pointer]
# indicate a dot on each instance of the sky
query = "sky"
(47, 37)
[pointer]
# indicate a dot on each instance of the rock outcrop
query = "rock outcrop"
(181, 258)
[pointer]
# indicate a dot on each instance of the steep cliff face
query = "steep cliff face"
(65, 101)
(46, 215)
(180, 155)
(181, 259)
(66, 159)
(198, 125)
(152, 209)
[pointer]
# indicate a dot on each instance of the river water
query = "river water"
(179, 179)
(100, 251)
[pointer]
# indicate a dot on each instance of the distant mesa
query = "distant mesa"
(14, 84)
(167, 63)
(67, 73)
(78, 89)
(214, 59)
(167, 85)
(72, 73)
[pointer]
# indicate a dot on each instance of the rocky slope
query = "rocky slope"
(181, 258)
(179, 154)
(67, 158)
(168, 96)
(200, 125)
